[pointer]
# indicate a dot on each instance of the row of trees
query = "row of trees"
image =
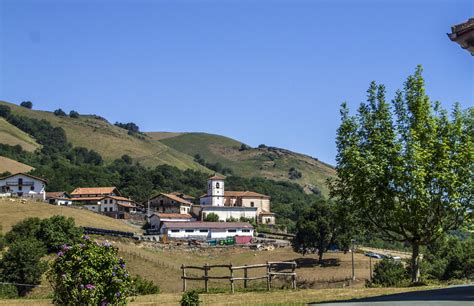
(60, 113)
(404, 172)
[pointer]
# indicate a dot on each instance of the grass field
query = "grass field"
(110, 141)
(278, 297)
(11, 135)
(13, 166)
(13, 212)
(264, 162)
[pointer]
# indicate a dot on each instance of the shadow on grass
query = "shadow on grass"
(457, 293)
(313, 262)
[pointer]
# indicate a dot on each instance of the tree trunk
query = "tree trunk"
(415, 263)
(320, 254)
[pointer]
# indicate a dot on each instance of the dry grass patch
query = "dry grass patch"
(13, 166)
(11, 212)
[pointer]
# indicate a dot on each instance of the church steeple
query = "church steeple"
(215, 190)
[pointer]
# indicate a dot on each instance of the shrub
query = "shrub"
(58, 230)
(22, 264)
(8, 291)
(27, 104)
(244, 147)
(389, 273)
(25, 229)
(143, 286)
(73, 114)
(4, 111)
(190, 298)
(211, 217)
(89, 273)
(59, 112)
(294, 174)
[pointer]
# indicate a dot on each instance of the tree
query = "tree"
(57, 231)
(211, 217)
(59, 112)
(27, 104)
(406, 171)
(22, 264)
(25, 229)
(4, 111)
(73, 114)
(89, 273)
(389, 273)
(316, 230)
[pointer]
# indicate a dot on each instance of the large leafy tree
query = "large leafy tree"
(406, 169)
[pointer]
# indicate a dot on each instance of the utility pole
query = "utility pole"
(352, 253)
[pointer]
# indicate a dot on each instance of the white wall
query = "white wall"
(225, 214)
(212, 233)
(31, 186)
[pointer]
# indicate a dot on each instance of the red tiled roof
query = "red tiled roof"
(55, 194)
(95, 190)
(174, 197)
(241, 194)
(25, 174)
(127, 205)
(182, 195)
(214, 225)
(174, 216)
(216, 177)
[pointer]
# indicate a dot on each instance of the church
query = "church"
(234, 204)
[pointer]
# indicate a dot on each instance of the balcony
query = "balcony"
(23, 184)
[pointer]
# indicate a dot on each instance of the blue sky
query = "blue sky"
(272, 72)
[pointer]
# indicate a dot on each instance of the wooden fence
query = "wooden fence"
(270, 273)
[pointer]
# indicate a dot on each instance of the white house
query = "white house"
(157, 220)
(207, 230)
(23, 185)
(112, 204)
(58, 198)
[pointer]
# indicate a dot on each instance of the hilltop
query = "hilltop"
(264, 161)
(177, 149)
(110, 141)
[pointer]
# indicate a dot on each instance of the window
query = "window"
(189, 231)
(161, 202)
(217, 185)
(203, 231)
(20, 181)
(175, 231)
(32, 188)
(245, 231)
(232, 231)
(20, 188)
(252, 204)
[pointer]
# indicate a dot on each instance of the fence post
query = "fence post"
(184, 277)
(206, 286)
(231, 278)
(245, 277)
(268, 277)
(293, 277)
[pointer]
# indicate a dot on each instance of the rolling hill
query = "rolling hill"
(11, 135)
(13, 166)
(268, 162)
(110, 141)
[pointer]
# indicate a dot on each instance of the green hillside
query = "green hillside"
(268, 162)
(11, 135)
(110, 141)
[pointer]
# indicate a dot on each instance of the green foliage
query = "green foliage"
(143, 286)
(218, 167)
(190, 298)
(27, 104)
(244, 147)
(231, 219)
(317, 229)
(406, 171)
(57, 231)
(25, 229)
(449, 258)
(389, 273)
(73, 114)
(51, 233)
(294, 174)
(22, 264)
(211, 217)
(8, 291)
(89, 273)
(60, 113)
(130, 126)
(4, 111)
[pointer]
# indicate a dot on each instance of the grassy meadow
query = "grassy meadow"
(13, 166)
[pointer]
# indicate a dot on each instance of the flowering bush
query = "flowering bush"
(89, 273)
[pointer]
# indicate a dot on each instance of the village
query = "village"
(218, 215)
